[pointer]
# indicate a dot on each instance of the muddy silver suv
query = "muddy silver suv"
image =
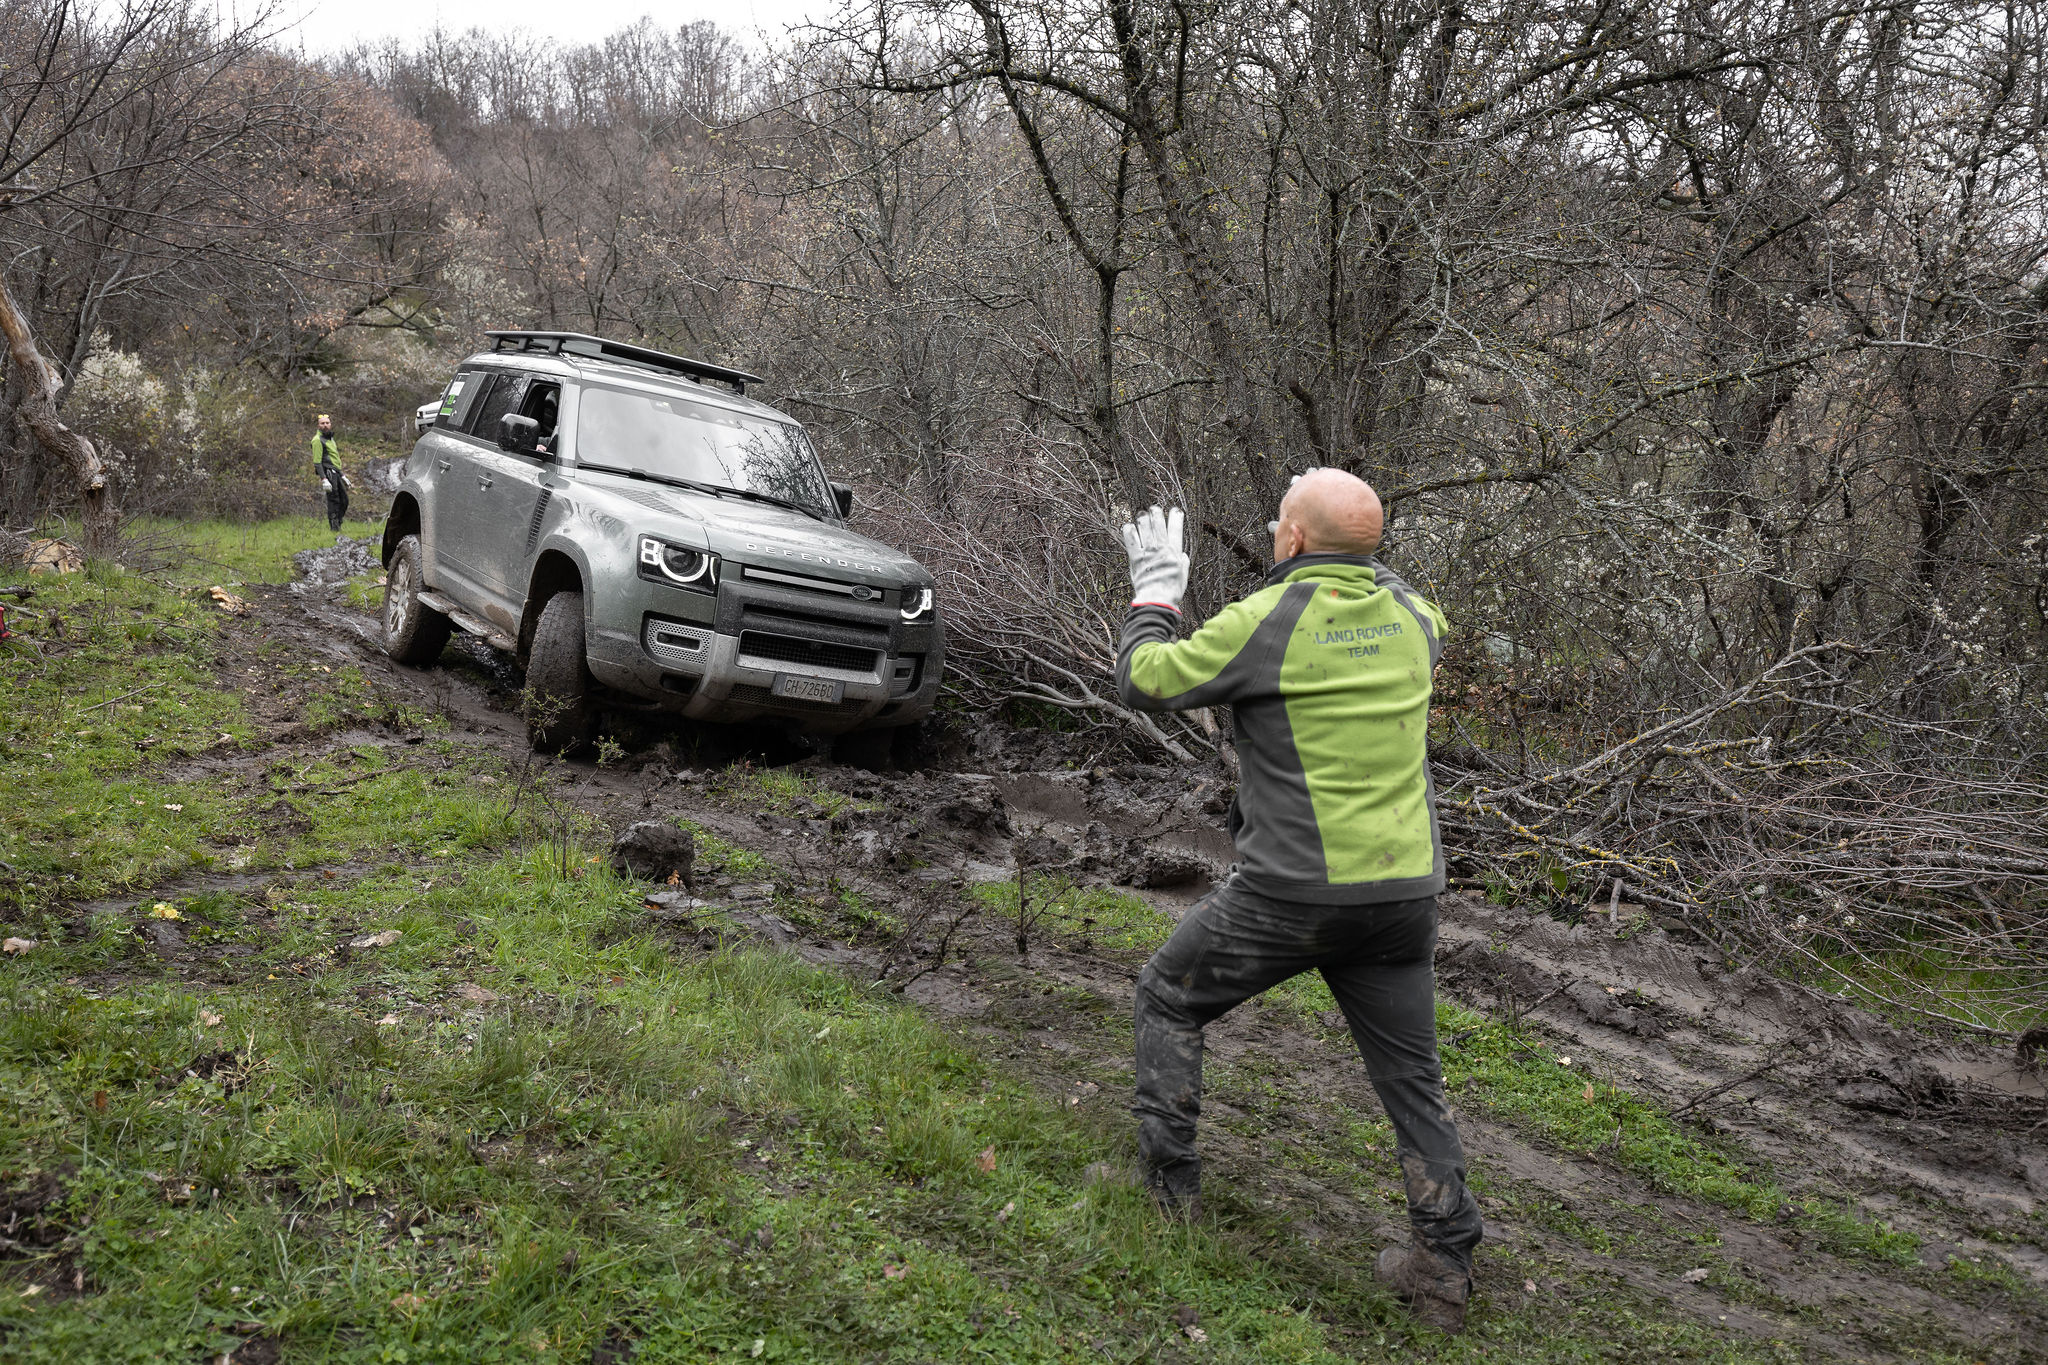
(640, 532)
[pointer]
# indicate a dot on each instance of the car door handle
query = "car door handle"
(441, 465)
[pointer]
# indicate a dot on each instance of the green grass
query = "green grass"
(1101, 916)
(133, 683)
(783, 791)
(111, 679)
(700, 1152)
(538, 1120)
(365, 592)
(718, 856)
(1938, 978)
(247, 552)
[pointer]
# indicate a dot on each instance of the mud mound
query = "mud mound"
(1817, 1082)
(326, 566)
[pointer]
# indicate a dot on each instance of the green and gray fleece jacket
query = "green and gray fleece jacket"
(1327, 670)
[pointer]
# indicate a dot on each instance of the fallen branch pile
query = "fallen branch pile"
(1802, 821)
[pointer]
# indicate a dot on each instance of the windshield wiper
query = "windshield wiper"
(669, 479)
(716, 490)
(759, 496)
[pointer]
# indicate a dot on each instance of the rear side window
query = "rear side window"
(502, 397)
(460, 397)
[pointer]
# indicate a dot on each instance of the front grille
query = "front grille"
(751, 695)
(754, 614)
(757, 644)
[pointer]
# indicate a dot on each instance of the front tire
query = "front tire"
(560, 701)
(414, 633)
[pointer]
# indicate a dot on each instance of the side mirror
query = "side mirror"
(518, 433)
(842, 494)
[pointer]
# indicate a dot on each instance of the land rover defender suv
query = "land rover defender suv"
(639, 532)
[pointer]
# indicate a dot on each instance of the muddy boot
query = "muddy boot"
(1176, 1192)
(1434, 1286)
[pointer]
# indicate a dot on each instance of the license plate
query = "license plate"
(807, 689)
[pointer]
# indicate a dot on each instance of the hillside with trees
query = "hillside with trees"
(1699, 352)
(1701, 363)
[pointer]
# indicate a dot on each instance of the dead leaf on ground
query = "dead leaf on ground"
(892, 1271)
(18, 946)
(469, 990)
(1695, 1275)
(229, 603)
(208, 1019)
(408, 1303)
(1003, 1214)
(987, 1160)
(380, 940)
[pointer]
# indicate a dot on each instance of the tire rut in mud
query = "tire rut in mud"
(1827, 1097)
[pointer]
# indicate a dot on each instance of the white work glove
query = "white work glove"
(326, 487)
(1159, 559)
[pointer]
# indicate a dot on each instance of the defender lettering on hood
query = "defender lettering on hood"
(826, 561)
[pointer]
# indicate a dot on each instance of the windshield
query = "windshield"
(678, 439)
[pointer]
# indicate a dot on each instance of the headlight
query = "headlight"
(666, 563)
(917, 604)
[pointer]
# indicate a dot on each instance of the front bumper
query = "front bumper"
(718, 657)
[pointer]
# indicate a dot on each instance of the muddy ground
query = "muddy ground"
(1945, 1138)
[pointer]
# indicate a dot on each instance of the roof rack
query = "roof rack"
(597, 348)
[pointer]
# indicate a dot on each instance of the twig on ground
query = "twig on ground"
(123, 697)
(1770, 1062)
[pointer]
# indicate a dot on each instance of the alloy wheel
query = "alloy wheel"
(397, 597)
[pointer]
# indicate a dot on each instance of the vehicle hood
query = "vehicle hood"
(745, 532)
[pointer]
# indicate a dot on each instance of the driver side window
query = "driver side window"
(543, 404)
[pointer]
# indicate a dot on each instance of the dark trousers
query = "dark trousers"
(1377, 960)
(337, 506)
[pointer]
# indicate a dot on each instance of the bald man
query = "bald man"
(1327, 671)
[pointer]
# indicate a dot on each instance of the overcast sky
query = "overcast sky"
(329, 25)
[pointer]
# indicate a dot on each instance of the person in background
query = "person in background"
(326, 459)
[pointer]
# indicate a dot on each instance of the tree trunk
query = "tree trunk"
(38, 412)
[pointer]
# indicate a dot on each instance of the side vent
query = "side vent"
(540, 510)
